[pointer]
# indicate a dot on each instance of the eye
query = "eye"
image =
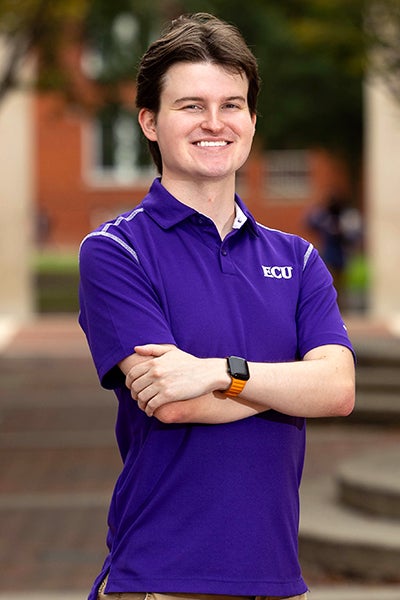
(192, 107)
(234, 104)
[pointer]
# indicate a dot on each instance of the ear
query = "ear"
(148, 123)
(254, 121)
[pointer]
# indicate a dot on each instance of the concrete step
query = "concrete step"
(376, 407)
(385, 378)
(371, 483)
(377, 382)
(377, 351)
(55, 384)
(339, 541)
(373, 408)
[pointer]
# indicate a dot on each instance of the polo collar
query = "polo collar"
(251, 222)
(164, 208)
(167, 211)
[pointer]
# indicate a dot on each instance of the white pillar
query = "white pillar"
(16, 191)
(383, 199)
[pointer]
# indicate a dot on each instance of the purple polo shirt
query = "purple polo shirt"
(210, 509)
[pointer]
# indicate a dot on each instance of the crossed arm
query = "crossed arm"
(177, 387)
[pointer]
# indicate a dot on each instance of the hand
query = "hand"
(168, 374)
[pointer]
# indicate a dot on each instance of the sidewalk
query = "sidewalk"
(50, 335)
(59, 461)
(335, 593)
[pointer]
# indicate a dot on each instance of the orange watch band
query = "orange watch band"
(235, 388)
(239, 371)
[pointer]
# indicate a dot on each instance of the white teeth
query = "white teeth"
(211, 144)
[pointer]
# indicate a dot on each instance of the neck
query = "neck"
(214, 199)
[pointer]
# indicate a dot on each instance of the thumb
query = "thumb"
(152, 349)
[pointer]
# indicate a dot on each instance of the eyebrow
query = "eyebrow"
(201, 99)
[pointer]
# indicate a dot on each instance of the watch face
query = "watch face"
(238, 368)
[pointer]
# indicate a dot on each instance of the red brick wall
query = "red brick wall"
(74, 207)
(62, 192)
(326, 174)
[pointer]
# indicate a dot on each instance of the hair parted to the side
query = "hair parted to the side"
(198, 37)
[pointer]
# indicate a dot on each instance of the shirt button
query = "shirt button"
(224, 252)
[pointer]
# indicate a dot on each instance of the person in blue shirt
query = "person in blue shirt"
(218, 335)
(338, 226)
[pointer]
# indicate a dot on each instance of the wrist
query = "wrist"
(221, 379)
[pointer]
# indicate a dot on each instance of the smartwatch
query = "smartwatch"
(238, 369)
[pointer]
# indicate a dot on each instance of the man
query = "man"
(213, 448)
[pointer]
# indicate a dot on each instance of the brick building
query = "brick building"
(90, 164)
(86, 173)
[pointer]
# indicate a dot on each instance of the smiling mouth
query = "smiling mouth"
(210, 144)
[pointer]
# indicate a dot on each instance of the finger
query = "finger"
(154, 402)
(143, 390)
(142, 402)
(151, 350)
(142, 405)
(146, 404)
(135, 373)
(149, 409)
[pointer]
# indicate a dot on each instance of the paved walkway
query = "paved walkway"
(334, 593)
(58, 462)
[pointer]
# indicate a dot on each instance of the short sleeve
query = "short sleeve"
(319, 321)
(119, 307)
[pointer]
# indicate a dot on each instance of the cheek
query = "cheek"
(253, 127)
(247, 128)
(248, 136)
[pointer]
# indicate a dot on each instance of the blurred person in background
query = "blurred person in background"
(219, 337)
(338, 226)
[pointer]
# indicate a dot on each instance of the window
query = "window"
(114, 151)
(113, 48)
(117, 154)
(288, 174)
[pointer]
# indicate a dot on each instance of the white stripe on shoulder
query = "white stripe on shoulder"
(121, 218)
(115, 238)
(105, 233)
(286, 233)
(307, 255)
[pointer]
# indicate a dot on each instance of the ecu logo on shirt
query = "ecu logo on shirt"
(277, 272)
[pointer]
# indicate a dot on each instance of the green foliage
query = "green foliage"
(312, 54)
(56, 279)
(312, 60)
(118, 33)
(60, 263)
(38, 25)
(121, 32)
(382, 25)
(17, 16)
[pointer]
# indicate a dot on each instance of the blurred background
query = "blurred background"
(325, 165)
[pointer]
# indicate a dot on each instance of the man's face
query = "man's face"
(204, 128)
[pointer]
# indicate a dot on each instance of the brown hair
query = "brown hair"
(198, 37)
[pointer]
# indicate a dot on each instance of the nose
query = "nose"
(212, 121)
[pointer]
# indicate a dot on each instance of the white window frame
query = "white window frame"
(125, 172)
(288, 174)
